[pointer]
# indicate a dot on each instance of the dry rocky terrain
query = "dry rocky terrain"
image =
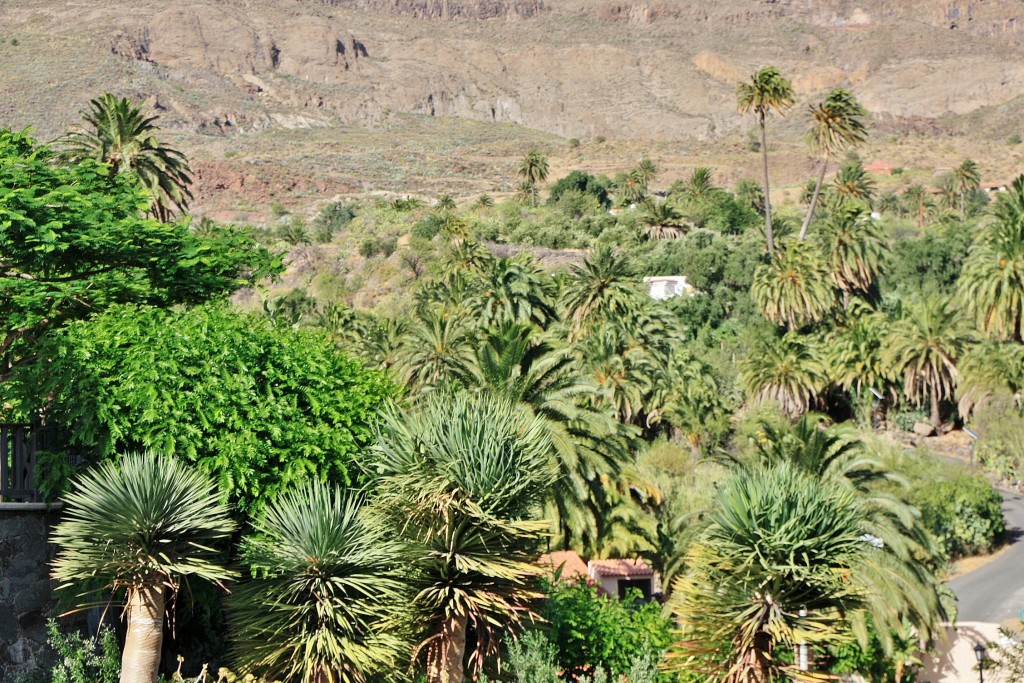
(295, 100)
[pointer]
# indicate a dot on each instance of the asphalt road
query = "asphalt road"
(994, 593)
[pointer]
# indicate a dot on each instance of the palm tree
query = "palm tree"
(601, 288)
(991, 284)
(631, 187)
(137, 528)
(446, 203)
(589, 447)
(661, 220)
(923, 348)
(968, 180)
(119, 134)
(701, 183)
(853, 183)
(461, 479)
(320, 605)
(787, 370)
(854, 352)
(646, 170)
(770, 570)
(533, 170)
(856, 247)
(794, 288)
(838, 124)
(990, 370)
(767, 91)
(527, 193)
(434, 350)
(751, 194)
(512, 290)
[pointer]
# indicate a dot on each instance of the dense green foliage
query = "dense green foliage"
(964, 514)
(259, 408)
(83, 659)
(590, 630)
(74, 242)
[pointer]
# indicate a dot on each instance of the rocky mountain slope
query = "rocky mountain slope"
(662, 71)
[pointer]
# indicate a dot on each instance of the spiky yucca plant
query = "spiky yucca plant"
(137, 528)
(324, 602)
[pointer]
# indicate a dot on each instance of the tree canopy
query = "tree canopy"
(257, 407)
(74, 240)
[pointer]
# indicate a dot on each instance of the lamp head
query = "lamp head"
(979, 652)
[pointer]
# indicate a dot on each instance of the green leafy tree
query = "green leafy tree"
(258, 408)
(137, 528)
(923, 347)
(991, 286)
(117, 133)
(838, 123)
(795, 287)
(590, 631)
(767, 91)
(74, 242)
(325, 596)
(462, 479)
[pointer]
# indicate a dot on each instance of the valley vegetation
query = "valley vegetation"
(374, 483)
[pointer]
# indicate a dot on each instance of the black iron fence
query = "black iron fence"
(20, 446)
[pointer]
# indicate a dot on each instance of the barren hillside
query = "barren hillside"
(293, 97)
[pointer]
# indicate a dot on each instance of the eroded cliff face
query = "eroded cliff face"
(577, 68)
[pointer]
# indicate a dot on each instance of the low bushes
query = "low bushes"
(964, 513)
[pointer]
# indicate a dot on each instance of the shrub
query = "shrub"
(1001, 447)
(964, 514)
(82, 659)
(907, 418)
(590, 630)
(332, 219)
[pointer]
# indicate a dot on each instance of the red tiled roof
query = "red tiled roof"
(572, 564)
(635, 567)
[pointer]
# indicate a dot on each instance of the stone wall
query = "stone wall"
(25, 592)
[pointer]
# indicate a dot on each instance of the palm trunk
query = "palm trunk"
(936, 415)
(446, 655)
(141, 657)
(768, 232)
(963, 209)
(814, 198)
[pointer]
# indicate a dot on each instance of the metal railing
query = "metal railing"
(20, 445)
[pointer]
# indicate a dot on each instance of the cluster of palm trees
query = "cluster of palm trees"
(587, 353)
(840, 335)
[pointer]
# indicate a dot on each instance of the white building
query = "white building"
(667, 286)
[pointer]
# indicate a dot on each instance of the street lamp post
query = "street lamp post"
(979, 654)
(974, 437)
(803, 663)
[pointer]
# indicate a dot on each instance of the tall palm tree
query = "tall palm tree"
(838, 124)
(923, 347)
(701, 183)
(991, 284)
(119, 134)
(461, 479)
(968, 180)
(603, 287)
(320, 606)
(770, 570)
(137, 528)
(854, 352)
(795, 287)
(767, 91)
(788, 370)
(534, 170)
